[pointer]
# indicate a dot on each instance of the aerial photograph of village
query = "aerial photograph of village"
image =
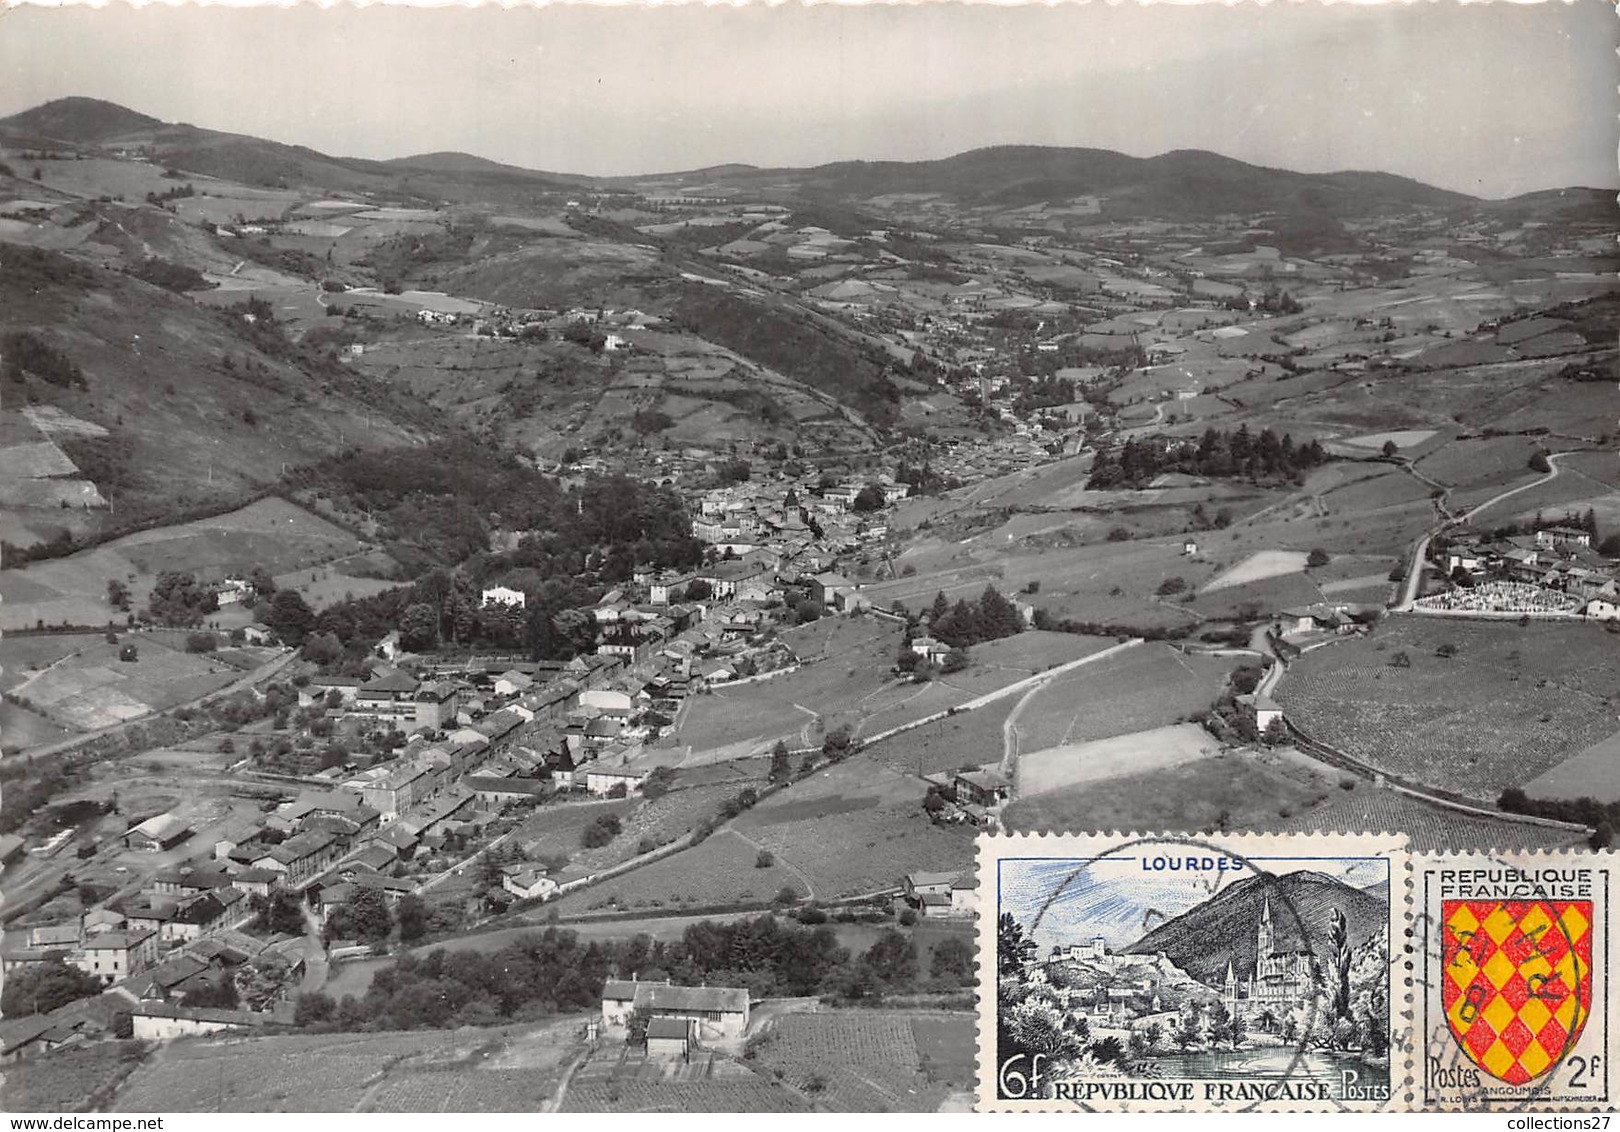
(534, 542)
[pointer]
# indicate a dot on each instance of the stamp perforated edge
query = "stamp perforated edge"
(1533, 1098)
(1393, 845)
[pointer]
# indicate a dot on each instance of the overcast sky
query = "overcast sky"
(1492, 99)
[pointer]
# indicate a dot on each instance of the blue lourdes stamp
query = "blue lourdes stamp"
(1248, 972)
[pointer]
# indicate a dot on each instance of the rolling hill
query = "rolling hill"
(1222, 930)
(76, 121)
(1183, 183)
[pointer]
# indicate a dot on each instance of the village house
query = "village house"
(601, 781)
(527, 882)
(493, 794)
(980, 787)
(300, 858)
(111, 956)
(162, 1021)
(1557, 537)
(258, 634)
(435, 703)
(718, 1011)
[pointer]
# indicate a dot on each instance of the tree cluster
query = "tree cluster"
(554, 971)
(178, 599)
(966, 624)
(28, 354)
(1217, 455)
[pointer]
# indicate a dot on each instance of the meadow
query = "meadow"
(1071, 765)
(93, 688)
(1147, 686)
(1509, 703)
(355, 1072)
(271, 533)
(1231, 791)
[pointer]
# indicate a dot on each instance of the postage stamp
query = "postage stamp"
(1514, 980)
(1126, 972)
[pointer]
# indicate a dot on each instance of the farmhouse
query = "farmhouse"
(719, 1010)
(980, 787)
(258, 634)
(528, 883)
(1265, 710)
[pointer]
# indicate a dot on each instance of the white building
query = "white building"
(503, 595)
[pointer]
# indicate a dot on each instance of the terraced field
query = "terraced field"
(1511, 703)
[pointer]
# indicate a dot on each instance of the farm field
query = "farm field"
(1594, 773)
(872, 1061)
(23, 656)
(971, 738)
(1064, 767)
(1231, 791)
(93, 688)
(1260, 565)
(1105, 582)
(340, 1072)
(68, 1080)
(853, 828)
(719, 871)
(1513, 702)
(1489, 462)
(73, 590)
(1143, 687)
(1431, 827)
(614, 1079)
(555, 830)
(21, 729)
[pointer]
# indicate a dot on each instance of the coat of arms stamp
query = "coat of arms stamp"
(1226, 973)
(1515, 1008)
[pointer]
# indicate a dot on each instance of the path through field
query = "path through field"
(803, 878)
(1033, 684)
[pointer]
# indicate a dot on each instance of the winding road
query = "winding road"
(1420, 550)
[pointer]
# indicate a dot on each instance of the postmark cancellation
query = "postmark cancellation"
(1225, 973)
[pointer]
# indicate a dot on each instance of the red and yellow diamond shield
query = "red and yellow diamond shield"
(1517, 984)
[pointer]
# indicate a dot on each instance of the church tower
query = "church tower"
(1266, 944)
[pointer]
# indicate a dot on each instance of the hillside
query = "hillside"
(153, 366)
(1181, 184)
(1222, 930)
(75, 120)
